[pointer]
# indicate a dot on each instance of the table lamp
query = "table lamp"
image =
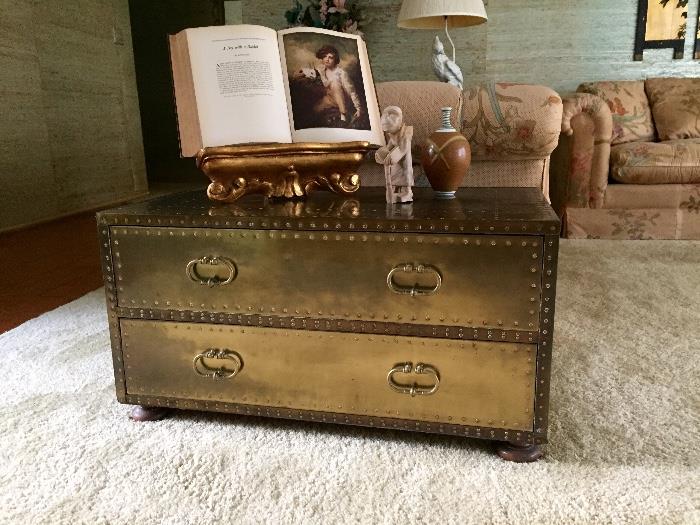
(436, 14)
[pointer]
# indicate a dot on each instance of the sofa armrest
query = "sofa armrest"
(581, 163)
(506, 121)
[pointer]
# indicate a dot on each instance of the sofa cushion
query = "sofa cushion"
(511, 121)
(629, 107)
(675, 104)
(420, 102)
(676, 196)
(669, 162)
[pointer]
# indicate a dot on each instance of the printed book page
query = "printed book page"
(238, 85)
(328, 86)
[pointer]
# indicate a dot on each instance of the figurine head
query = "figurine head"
(437, 45)
(392, 119)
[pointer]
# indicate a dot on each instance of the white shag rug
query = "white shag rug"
(623, 446)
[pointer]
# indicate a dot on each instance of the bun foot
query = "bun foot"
(141, 413)
(519, 453)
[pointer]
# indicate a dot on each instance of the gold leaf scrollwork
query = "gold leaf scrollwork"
(282, 170)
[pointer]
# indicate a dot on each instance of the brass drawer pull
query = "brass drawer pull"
(192, 273)
(415, 289)
(414, 389)
(201, 368)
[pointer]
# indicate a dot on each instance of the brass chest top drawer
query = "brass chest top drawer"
(489, 281)
(458, 382)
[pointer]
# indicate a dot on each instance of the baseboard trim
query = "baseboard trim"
(89, 209)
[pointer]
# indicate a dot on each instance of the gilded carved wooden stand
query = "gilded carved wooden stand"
(435, 316)
(282, 170)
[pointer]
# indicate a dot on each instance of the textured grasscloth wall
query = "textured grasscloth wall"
(562, 43)
(559, 43)
(70, 131)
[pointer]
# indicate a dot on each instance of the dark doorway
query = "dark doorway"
(151, 22)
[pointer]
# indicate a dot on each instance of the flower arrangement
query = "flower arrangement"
(337, 15)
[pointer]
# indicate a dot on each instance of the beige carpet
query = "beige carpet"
(624, 434)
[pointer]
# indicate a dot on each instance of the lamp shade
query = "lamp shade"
(430, 14)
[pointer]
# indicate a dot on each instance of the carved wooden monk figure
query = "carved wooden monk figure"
(396, 156)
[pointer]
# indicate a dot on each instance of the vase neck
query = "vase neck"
(446, 124)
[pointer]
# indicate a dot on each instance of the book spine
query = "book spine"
(189, 129)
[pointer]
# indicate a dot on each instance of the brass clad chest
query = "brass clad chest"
(435, 316)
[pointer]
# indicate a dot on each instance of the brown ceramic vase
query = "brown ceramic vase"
(445, 158)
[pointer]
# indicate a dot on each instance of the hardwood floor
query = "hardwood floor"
(51, 264)
(46, 266)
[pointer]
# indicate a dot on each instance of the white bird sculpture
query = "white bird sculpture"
(444, 68)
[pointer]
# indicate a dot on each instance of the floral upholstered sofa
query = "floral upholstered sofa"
(628, 162)
(512, 129)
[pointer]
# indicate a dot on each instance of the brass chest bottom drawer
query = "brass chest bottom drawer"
(448, 381)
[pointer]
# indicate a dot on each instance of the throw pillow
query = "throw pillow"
(629, 107)
(675, 103)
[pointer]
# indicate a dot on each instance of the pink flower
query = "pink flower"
(524, 130)
(619, 107)
(618, 130)
(351, 27)
(616, 107)
(339, 7)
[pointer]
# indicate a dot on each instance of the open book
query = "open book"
(243, 83)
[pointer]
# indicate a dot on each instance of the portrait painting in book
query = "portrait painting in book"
(241, 84)
(325, 81)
